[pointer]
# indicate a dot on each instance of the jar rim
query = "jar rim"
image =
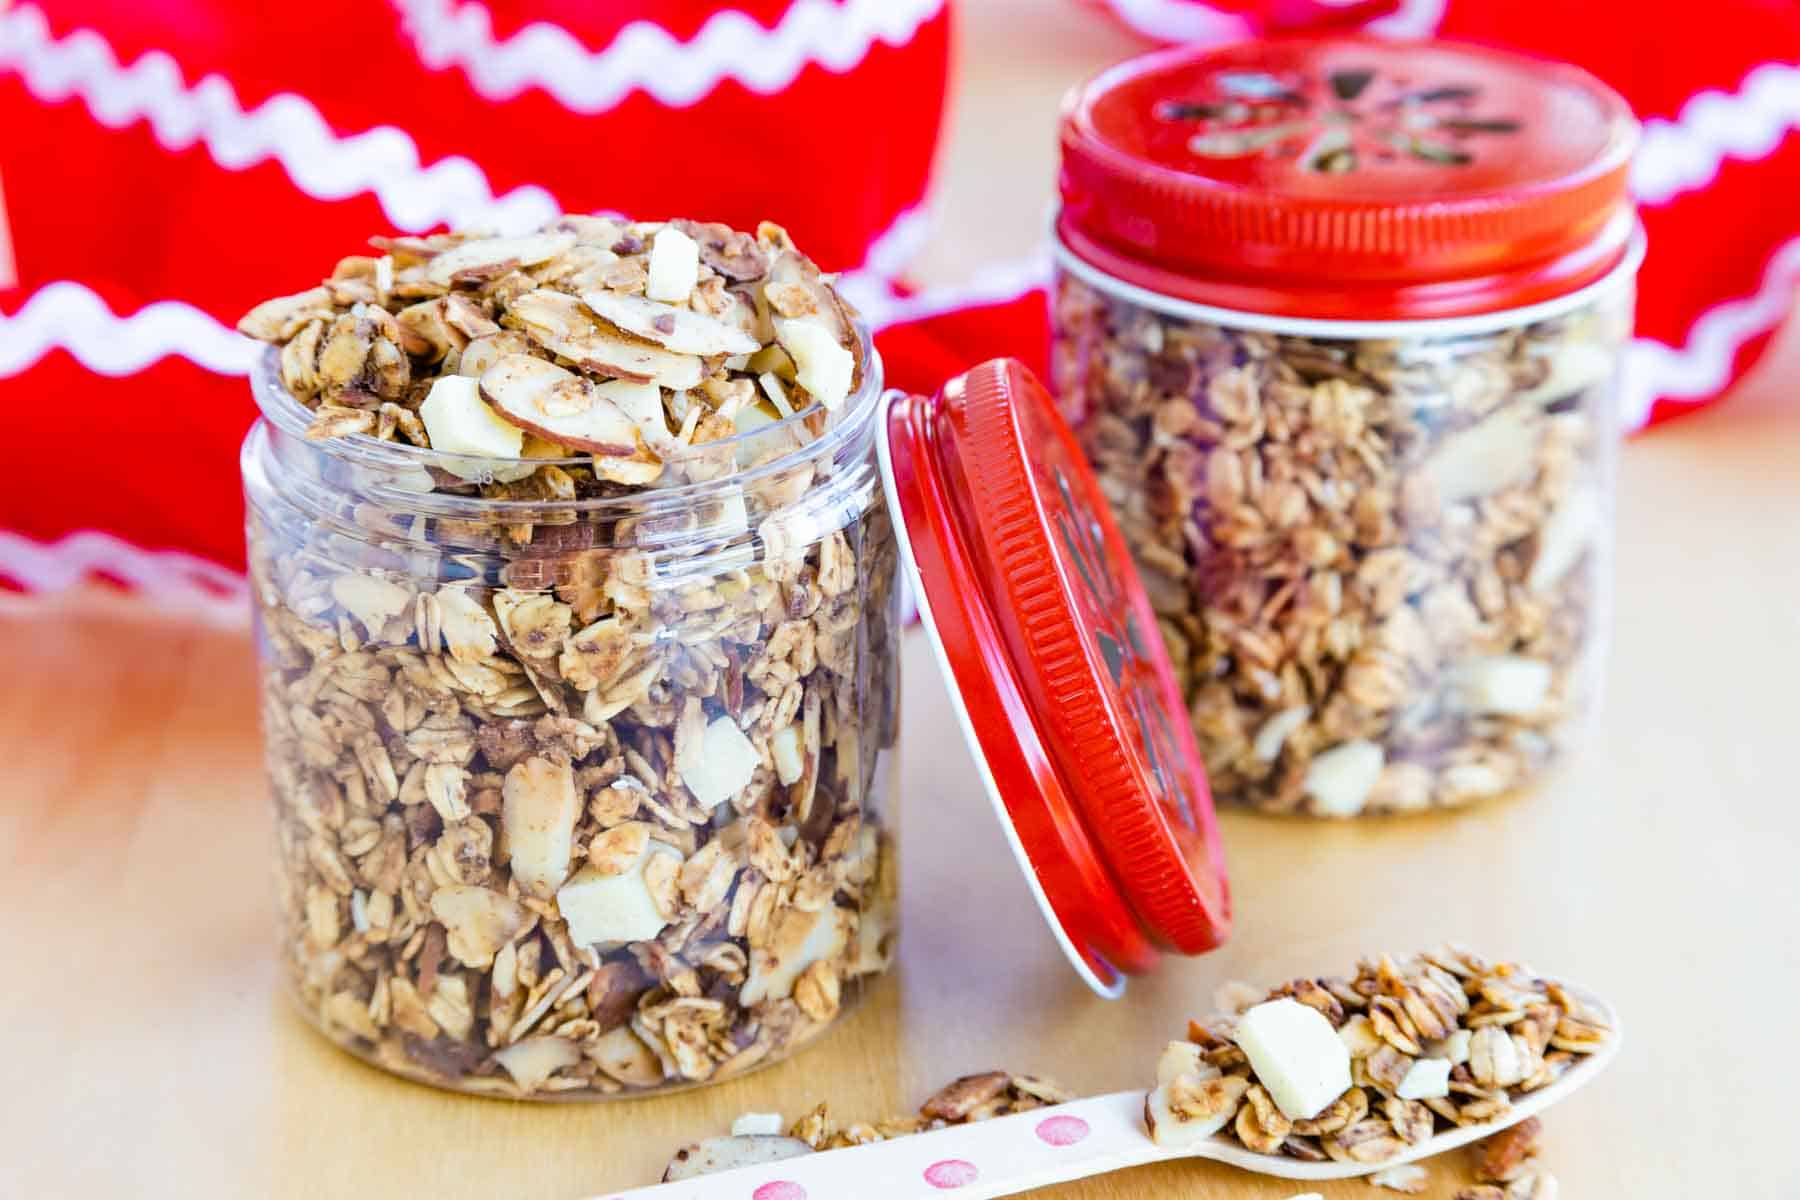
(1066, 258)
(854, 418)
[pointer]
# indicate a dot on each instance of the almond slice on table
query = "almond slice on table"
(679, 329)
(561, 324)
(730, 1153)
(558, 405)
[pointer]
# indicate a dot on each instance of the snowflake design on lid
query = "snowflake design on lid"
(1347, 119)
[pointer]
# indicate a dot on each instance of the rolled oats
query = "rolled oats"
(581, 782)
(1376, 563)
(1395, 1016)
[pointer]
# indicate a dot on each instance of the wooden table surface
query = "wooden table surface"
(150, 1056)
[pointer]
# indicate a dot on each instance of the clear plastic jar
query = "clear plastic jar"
(1379, 564)
(1339, 324)
(577, 795)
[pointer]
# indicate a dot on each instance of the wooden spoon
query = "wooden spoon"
(1052, 1145)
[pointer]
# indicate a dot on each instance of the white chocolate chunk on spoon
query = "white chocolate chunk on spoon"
(1047, 1146)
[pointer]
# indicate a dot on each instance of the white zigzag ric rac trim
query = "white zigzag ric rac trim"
(1177, 21)
(168, 579)
(1413, 19)
(1684, 154)
(645, 57)
(285, 127)
(996, 283)
(69, 316)
(1703, 364)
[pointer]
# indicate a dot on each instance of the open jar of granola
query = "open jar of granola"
(579, 696)
(574, 563)
(1338, 322)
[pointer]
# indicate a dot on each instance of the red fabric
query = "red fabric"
(114, 201)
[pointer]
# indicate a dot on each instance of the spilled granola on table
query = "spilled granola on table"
(1424, 1043)
(758, 1138)
(1377, 563)
(575, 601)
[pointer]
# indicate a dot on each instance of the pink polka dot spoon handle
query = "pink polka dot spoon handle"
(1046, 1146)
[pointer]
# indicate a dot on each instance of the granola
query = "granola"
(576, 612)
(757, 1137)
(1434, 1041)
(1376, 563)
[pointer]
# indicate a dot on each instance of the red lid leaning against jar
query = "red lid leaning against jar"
(1347, 178)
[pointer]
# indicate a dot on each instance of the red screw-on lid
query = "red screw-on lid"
(1347, 177)
(1054, 659)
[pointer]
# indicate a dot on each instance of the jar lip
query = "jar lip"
(1067, 259)
(856, 416)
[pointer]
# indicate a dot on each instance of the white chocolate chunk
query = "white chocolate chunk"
(1340, 779)
(674, 265)
(725, 764)
(1454, 1049)
(539, 807)
(1503, 683)
(1426, 1079)
(559, 405)
(790, 761)
(1182, 1058)
(753, 1124)
(1296, 1055)
(1274, 732)
(1563, 539)
(535, 1060)
(609, 909)
(1490, 457)
(459, 421)
(821, 366)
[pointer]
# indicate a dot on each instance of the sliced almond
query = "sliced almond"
(730, 1153)
(539, 807)
(797, 940)
(560, 406)
(560, 323)
(679, 329)
(478, 920)
(489, 258)
(535, 1060)
(642, 403)
(622, 1056)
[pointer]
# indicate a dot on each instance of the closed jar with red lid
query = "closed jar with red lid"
(1339, 323)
